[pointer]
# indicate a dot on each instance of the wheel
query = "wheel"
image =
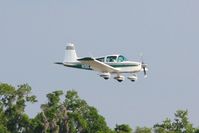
(106, 78)
(119, 80)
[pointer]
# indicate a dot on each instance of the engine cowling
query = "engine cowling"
(133, 78)
(120, 78)
(105, 75)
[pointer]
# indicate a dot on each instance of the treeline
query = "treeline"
(73, 115)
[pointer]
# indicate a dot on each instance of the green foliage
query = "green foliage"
(143, 130)
(3, 129)
(12, 108)
(196, 130)
(48, 119)
(180, 124)
(124, 128)
(83, 117)
(70, 115)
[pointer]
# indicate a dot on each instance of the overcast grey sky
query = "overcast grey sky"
(33, 35)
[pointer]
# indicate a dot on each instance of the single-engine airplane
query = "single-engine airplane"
(106, 65)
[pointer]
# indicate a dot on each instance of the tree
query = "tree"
(123, 128)
(196, 130)
(70, 115)
(73, 115)
(82, 117)
(180, 124)
(52, 115)
(143, 130)
(3, 128)
(12, 107)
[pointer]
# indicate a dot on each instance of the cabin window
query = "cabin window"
(100, 59)
(122, 58)
(111, 59)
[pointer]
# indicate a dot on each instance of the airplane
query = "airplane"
(107, 65)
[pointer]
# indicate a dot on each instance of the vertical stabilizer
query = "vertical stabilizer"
(70, 53)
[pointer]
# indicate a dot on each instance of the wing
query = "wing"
(97, 65)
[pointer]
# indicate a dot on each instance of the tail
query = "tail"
(70, 53)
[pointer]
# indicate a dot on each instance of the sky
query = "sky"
(34, 33)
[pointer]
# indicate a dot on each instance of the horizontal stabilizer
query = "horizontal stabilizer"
(59, 63)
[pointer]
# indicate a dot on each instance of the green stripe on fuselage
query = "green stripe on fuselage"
(87, 67)
(79, 66)
(123, 65)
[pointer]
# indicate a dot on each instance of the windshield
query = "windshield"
(122, 58)
(100, 59)
(111, 59)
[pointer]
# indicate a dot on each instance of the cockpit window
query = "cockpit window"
(111, 59)
(122, 58)
(100, 59)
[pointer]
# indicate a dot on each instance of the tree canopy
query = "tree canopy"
(71, 115)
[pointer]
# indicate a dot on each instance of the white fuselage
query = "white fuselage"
(106, 65)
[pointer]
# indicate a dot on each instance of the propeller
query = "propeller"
(144, 66)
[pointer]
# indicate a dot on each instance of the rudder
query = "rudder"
(70, 53)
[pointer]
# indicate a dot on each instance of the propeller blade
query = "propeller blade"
(145, 74)
(144, 66)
